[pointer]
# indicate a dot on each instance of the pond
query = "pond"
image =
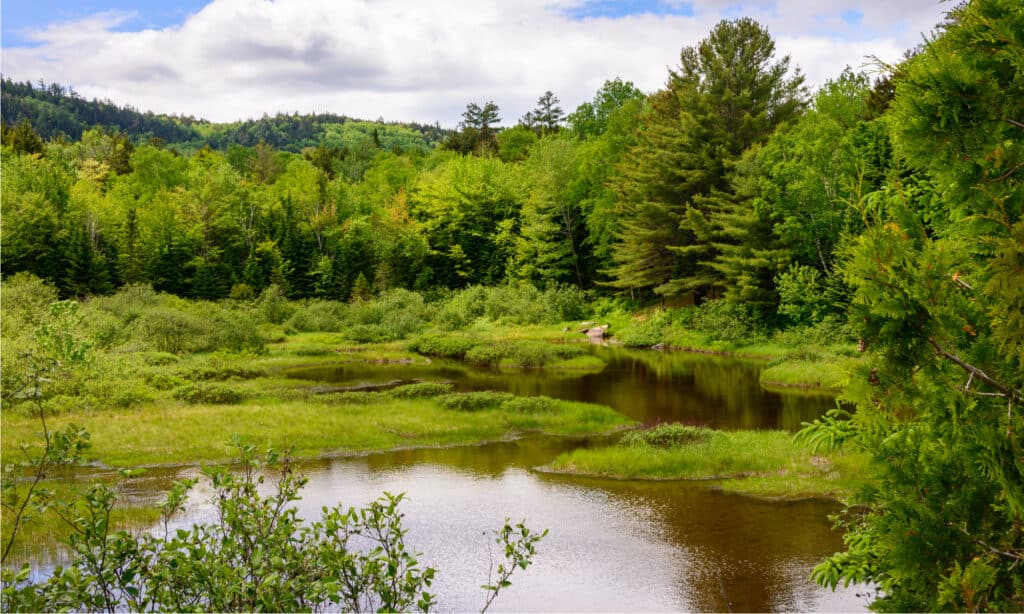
(613, 545)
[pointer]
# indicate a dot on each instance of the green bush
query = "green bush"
(320, 316)
(172, 331)
(445, 346)
(462, 308)
(474, 401)
(671, 435)
(394, 315)
(160, 380)
(217, 394)
(522, 353)
(528, 405)
(726, 321)
(221, 373)
(419, 391)
(156, 359)
(272, 306)
(647, 333)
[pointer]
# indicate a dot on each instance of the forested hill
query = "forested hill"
(55, 111)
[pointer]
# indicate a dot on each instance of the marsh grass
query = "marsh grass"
(170, 432)
(825, 374)
(761, 463)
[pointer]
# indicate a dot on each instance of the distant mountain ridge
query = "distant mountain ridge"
(56, 111)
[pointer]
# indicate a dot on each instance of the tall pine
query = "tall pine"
(728, 93)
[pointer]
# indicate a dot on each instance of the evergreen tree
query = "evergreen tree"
(939, 303)
(547, 116)
(727, 95)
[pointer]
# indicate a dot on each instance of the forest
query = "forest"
(884, 208)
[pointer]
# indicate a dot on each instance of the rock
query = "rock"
(659, 346)
(597, 331)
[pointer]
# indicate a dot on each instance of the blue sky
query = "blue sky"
(20, 16)
(419, 60)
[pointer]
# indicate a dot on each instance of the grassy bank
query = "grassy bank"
(171, 431)
(759, 463)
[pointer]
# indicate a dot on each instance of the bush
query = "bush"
(320, 316)
(273, 307)
(395, 315)
(647, 333)
(801, 294)
(474, 401)
(163, 381)
(831, 330)
(221, 373)
(445, 346)
(528, 405)
(172, 331)
(522, 353)
(419, 391)
(672, 435)
(725, 321)
(216, 394)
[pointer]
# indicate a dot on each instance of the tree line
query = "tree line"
(56, 112)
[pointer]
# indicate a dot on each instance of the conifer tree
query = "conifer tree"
(939, 303)
(727, 94)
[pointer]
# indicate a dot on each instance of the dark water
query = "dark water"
(645, 385)
(613, 545)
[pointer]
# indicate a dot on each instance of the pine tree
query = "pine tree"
(727, 95)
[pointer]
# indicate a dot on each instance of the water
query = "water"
(648, 386)
(613, 545)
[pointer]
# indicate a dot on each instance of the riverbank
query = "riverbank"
(766, 464)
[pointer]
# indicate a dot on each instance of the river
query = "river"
(613, 545)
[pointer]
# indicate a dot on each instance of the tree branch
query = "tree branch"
(976, 372)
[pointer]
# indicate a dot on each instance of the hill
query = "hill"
(55, 111)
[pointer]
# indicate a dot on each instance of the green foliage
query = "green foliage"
(421, 390)
(801, 294)
(474, 401)
(669, 435)
(938, 400)
(216, 394)
(727, 95)
(445, 346)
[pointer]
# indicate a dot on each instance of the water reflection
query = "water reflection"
(645, 385)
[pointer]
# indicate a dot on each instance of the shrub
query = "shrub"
(176, 332)
(216, 394)
(801, 294)
(474, 401)
(163, 381)
(221, 373)
(528, 405)
(419, 391)
(272, 305)
(670, 435)
(725, 321)
(320, 316)
(445, 346)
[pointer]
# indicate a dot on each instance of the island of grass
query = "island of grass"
(768, 464)
(194, 427)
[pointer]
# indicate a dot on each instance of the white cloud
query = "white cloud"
(423, 61)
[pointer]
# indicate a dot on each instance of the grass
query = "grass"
(171, 432)
(823, 374)
(760, 463)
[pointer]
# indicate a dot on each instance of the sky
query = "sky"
(413, 60)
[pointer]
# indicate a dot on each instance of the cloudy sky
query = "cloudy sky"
(419, 60)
